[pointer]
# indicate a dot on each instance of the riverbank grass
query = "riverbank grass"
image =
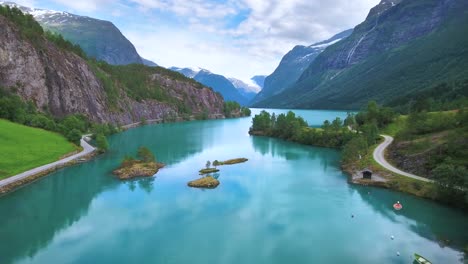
(24, 148)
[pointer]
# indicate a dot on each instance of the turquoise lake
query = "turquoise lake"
(288, 204)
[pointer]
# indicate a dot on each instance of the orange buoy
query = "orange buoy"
(397, 206)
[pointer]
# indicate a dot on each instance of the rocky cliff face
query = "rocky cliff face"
(63, 83)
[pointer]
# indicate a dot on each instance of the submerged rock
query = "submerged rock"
(205, 182)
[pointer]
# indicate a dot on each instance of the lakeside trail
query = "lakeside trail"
(380, 158)
(87, 149)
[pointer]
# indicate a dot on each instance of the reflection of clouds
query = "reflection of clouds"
(267, 210)
(74, 233)
(426, 221)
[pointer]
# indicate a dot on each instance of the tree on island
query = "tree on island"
(208, 164)
(216, 163)
(146, 155)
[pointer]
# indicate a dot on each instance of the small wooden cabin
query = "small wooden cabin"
(367, 174)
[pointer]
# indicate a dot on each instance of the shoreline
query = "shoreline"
(15, 182)
(18, 184)
(20, 180)
(387, 179)
(393, 181)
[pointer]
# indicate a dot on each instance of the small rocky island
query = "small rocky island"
(207, 182)
(145, 166)
(210, 182)
(229, 162)
(208, 171)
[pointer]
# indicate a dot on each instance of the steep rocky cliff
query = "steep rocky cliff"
(63, 83)
(403, 47)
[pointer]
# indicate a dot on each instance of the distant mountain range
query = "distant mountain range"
(230, 88)
(99, 39)
(403, 48)
(293, 64)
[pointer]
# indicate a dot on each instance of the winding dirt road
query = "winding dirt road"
(87, 149)
(380, 158)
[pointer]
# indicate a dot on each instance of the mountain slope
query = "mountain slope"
(189, 72)
(402, 48)
(219, 83)
(247, 90)
(62, 83)
(222, 85)
(148, 62)
(259, 80)
(293, 64)
(99, 39)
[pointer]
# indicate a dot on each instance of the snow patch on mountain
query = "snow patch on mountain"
(324, 45)
(42, 14)
(195, 69)
(247, 86)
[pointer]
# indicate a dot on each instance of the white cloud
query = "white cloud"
(303, 20)
(238, 38)
(84, 5)
(29, 3)
(186, 49)
(254, 46)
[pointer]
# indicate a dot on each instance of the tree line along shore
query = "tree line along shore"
(431, 144)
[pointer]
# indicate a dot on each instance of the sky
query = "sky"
(235, 38)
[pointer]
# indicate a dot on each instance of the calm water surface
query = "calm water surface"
(288, 204)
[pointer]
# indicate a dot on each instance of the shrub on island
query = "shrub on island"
(145, 166)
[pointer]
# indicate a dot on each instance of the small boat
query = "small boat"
(397, 206)
(420, 259)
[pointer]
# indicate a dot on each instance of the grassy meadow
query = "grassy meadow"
(23, 148)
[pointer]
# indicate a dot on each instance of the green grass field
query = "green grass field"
(396, 126)
(23, 148)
